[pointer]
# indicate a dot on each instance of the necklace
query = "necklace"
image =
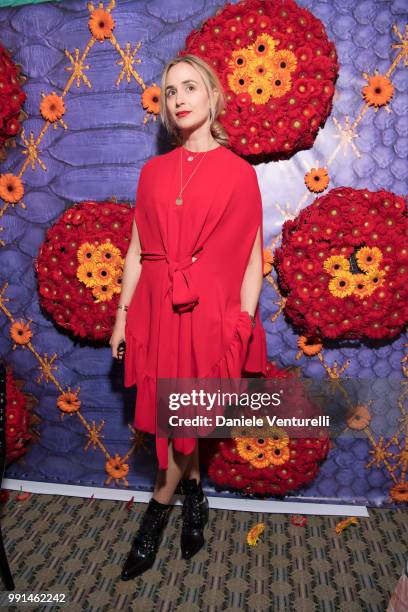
(192, 157)
(179, 200)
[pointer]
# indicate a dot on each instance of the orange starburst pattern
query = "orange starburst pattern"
(379, 90)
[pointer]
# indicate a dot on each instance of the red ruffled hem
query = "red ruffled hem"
(236, 359)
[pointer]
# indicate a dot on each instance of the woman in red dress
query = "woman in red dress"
(192, 279)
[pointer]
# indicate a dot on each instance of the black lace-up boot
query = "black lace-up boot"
(195, 517)
(146, 542)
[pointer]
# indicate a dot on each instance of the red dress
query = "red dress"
(184, 319)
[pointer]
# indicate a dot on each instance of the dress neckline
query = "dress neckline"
(200, 152)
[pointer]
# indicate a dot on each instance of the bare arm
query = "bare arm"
(131, 274)
(253, 278)
(131, 271)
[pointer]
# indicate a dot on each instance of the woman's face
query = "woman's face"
(185, 91)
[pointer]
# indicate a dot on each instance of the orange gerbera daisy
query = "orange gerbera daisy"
(246, 449)
(379, 90)
(68, 402)
(310, 346)
(267, 261)
(359, 418)
(399, 492)
(342, 285)
(103, 293)
(368, 258)
(20, 332)
(336, 264)
(108, 253)
(317, 179)
(279, 456)
(86, 273)
(52, 107)
(86, 252)
(261, 460)
(11, 188)
(116, 467)
(362, 286)
(104, 273)
(375, 278)
(151, 98)
(101, 24)
(254, 534)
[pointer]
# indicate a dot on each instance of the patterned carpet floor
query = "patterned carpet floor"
(77, 546)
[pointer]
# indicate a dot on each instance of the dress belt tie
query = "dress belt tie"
(184, 296)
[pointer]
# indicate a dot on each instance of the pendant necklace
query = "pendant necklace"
(179, 200)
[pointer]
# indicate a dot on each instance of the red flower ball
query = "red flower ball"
(12, 99)
(80, 266)
(17, 420)
(278, 70)
(343, 265)
(289, 465)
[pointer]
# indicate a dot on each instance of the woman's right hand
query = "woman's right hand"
(118, 336)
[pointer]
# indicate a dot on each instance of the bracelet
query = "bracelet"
(122, 307)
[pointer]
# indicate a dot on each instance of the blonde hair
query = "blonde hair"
(211, 81)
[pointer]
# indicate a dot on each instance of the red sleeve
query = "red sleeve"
(256, 357)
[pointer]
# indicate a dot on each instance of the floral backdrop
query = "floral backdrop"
(85, 120)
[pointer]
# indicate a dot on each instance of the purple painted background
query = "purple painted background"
(100, 155)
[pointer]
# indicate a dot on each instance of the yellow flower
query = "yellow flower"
(336, 264)
(103, 293)
(101, 24)
(85, 252)
(279, 84)
(368, 258)
(260, 461)
(264, 45)
(278, 456)
(11, 188)
(375, 278)
(259, 90)
(362, 287)
(283, 60)
(103, 273)
(86, 273)
(277, 438)
(254, 534)
(246, 449)
(342, 285)
(106, 253)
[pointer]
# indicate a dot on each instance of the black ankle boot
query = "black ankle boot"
(146, 542)
(195, 517)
